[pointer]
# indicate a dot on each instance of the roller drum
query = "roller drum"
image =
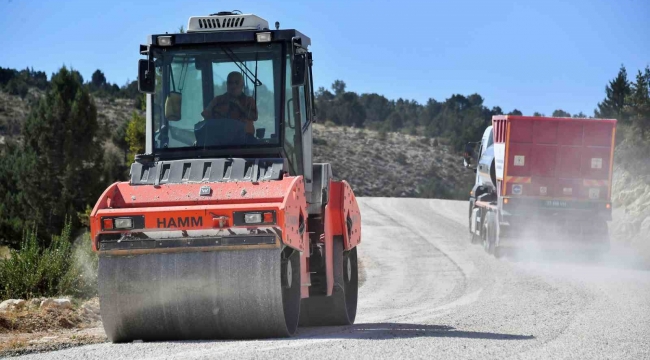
(198, 295)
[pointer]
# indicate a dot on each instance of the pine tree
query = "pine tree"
(61, 158)
(639, 102)
(136, 135)
(614, 103)
(560, 113)
(98, 80)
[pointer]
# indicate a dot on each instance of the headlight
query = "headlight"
(253, 218)
(123, 223)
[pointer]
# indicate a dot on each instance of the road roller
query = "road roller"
(226, 228)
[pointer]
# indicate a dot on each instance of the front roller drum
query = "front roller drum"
(200, 295)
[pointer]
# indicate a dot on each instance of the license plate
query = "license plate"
(556, 203)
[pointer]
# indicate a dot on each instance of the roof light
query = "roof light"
(263, 37)
(164, 41)
(506, 200)
(608, 205)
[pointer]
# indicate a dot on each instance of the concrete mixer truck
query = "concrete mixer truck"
(542, 178)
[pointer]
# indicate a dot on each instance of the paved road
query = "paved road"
(430, 294)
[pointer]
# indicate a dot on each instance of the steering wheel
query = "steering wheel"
(220, 132)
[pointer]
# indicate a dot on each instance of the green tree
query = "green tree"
(338, 87)
(536, 113)
(560, 113)
(639, 102)
(580, 115)
(496, 110)
(135, 135)
(119, 139)
(58, 170)
(395, 121)
(616, 93)
(98, 80)
(60, 134)
(515, 112)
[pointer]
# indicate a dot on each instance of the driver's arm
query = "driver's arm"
(250, 109)
(207, 112)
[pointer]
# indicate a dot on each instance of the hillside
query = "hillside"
(392, 164)
(374, 163)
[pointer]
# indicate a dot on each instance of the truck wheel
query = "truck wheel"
(473, 238)
(471, 207)
(489, 239)
(600, 237)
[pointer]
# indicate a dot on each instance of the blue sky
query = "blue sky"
(530, 55)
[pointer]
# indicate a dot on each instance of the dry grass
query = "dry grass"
(4, 252)
(35, 330)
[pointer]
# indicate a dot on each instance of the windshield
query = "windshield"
(217, 96)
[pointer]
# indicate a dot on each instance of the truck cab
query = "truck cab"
(479, 157)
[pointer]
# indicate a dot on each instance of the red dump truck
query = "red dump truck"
(541, 177)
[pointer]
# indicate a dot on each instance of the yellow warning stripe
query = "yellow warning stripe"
(519, 179)
(587, 182)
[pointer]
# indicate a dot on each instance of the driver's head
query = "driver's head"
(235, 83)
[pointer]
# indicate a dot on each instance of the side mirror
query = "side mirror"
(146, 76)
(298, 68)
(469, 156)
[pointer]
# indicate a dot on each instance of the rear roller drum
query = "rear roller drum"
(341, 307)
(200, 295)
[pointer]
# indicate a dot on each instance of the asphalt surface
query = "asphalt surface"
(429, 293)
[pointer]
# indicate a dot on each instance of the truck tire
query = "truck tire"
(471, 207)
(489, 240)
(473, 238)
(600, 237)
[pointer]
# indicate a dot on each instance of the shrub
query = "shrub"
(18, 87)
(382, 135)
(401, 159)
(59, 269)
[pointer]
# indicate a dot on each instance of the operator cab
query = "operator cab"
(229, 88)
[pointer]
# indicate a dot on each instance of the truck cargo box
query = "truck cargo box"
(554, 162)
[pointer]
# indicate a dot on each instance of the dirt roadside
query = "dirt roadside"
(38, 329)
